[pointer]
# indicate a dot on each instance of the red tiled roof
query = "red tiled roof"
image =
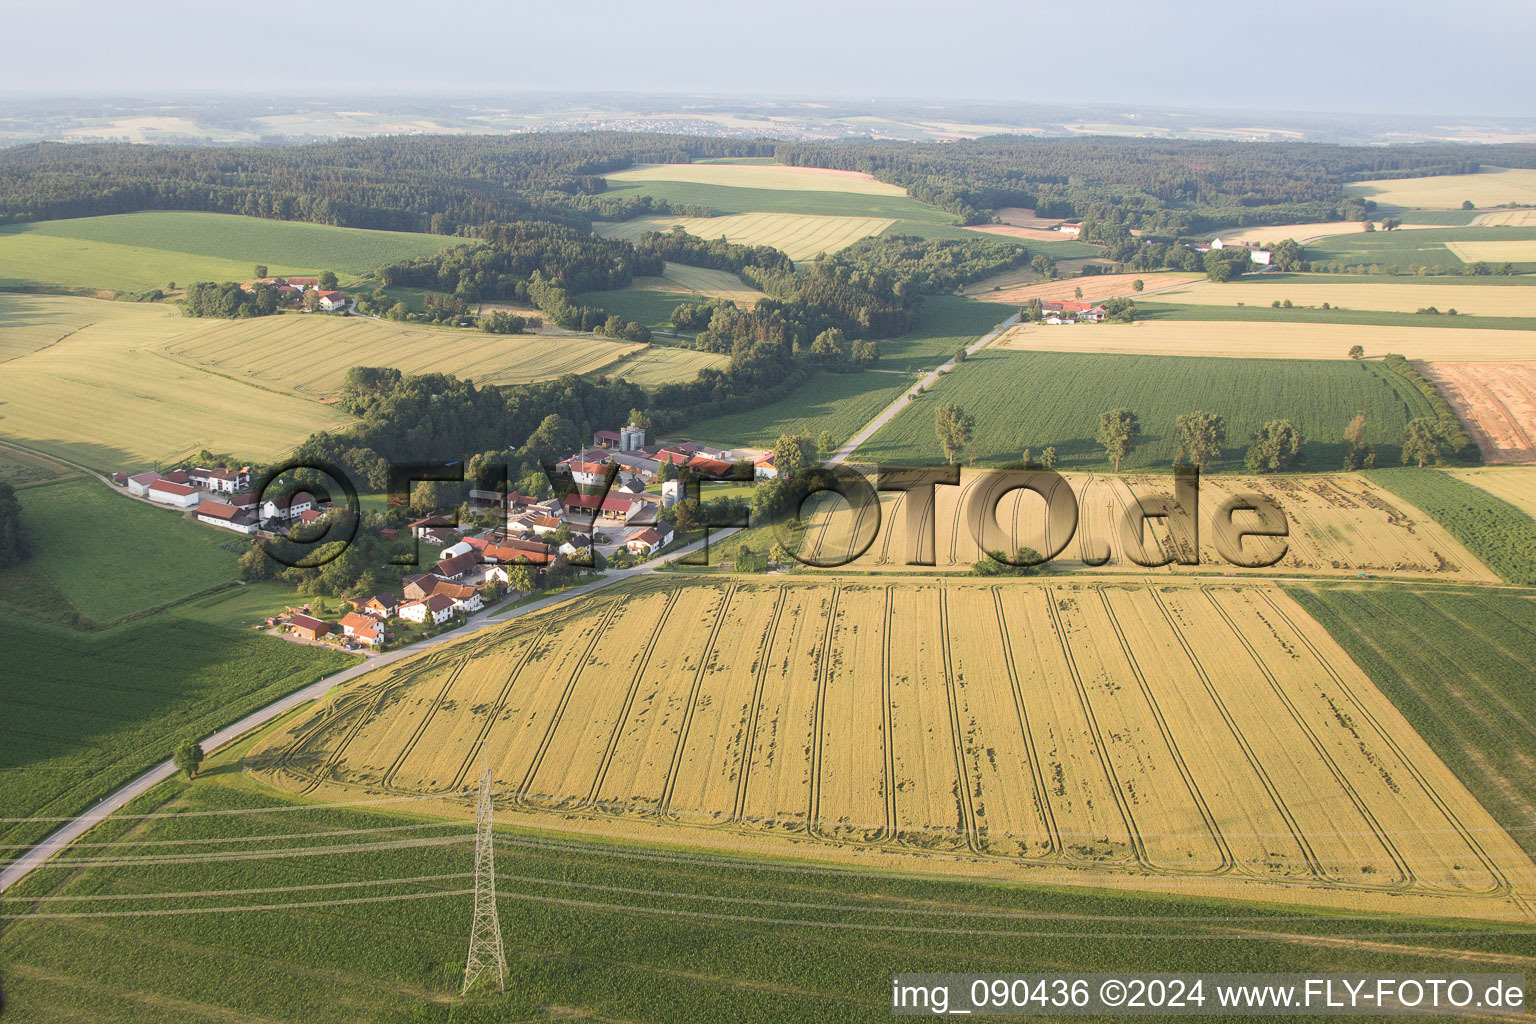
(608, 435)
(145, 478)
(714, 467)
(457, 564)
(177, 476)
(611, 503)
(309, 622)
(217, 510)
(169, 487)
(438, 602)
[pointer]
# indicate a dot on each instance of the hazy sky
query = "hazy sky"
(1398, 56)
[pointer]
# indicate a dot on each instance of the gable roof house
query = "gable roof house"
(454, 568)
(287, 507)
(173, 494)
(220, 480)
(138, 485)
(362, 628)
(332, 301)
(308, 627)
(416, 588)
(218, 513)
(437, 607)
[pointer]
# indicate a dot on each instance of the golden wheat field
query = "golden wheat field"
(1338, 524)
(800, 236)
(1515, 484)
(1267, 340)
(768, 176)
(1491, 186)
(309, 355)
(1495, 251)
(1477, 300)
(715, 284)
(89, 382)
(1508, 218)
(1208, 739)
(1095, 288)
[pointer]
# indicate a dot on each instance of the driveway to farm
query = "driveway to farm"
(77, 827)
(889, 412)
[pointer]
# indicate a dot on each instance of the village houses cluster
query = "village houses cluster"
(602, 517)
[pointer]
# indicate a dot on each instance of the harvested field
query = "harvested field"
(800, 236)
(1095, 287)
(1103, 733)
(1508, 218)
(1514, 484)
(1496, 402)
(769, 176)
(1339, 524)
(1477, 300)
(1032, 234)
(1274, 234)
(660, 364)
(1262, 340)
(714, 284)
(266, 351)
(107, 395)
(1495, 251)
(1491, 186)
(1020, 217)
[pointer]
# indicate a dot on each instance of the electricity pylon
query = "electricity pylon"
(485, 950)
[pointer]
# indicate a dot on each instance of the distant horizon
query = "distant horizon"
(455, 95)
(1315, 56)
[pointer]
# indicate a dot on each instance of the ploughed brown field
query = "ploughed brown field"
(1496, 402)
(1144, 733)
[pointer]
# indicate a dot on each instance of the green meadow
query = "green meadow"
(141, 251)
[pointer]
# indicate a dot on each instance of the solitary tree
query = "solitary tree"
(1277, 446)
(954, 427)
(326, 280)
(1078, 292)
(1119, 430)
(1357, 351)
(1358, 454)
(1202, 435)
(824, 446)
(1048, 458)
(520, 578)
(1138, 284)
(261, 270)
(188, 757)
(1425, 443)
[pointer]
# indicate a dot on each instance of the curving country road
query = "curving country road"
(889, 412)
(78, 826)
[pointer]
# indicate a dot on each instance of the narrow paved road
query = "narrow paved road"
(77, 827)
(889, 412)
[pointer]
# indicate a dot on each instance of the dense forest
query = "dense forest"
(444, 183)
(1168, 187)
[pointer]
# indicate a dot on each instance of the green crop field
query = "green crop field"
(652, 308)
(101, 557)
(1311, 315)
(1040, 399)
(86, 712)
(1433, 650)
(837, 402)
(371, 924)
(140, 251)
(661, 364)
(946, 322)
(1421, 247)
(22, 469)
(1502, 536)
(108, 397)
